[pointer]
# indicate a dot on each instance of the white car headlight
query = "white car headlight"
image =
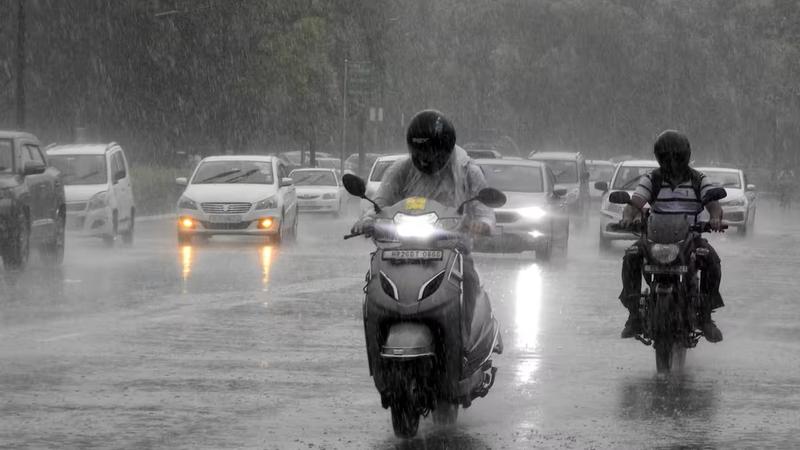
(533, 212)
(186, 203)
(329, 196)
(415, 226)
(736, 202)
(267, 203)
(664, 253)
(98, 201)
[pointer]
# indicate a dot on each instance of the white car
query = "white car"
(318, 190)
(599, 170)
(739, 207)
(534, 216)
(626, 178)
(99, 194)
(376, 175)
(238, 195)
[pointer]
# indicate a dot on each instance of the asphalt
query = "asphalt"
(238, 344)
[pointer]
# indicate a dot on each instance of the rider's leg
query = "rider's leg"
(631, 289)
(710, 279)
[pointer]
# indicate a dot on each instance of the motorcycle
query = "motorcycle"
(420, 361)
(671, 307)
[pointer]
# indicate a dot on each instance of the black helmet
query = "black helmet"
(673, 153)
(431, 139)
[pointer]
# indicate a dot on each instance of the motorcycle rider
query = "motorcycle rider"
(440, 171)
(678, 189)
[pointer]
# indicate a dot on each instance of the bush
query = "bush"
(154, 188)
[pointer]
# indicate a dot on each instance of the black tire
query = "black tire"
(109, 240)
(663, 356)
(17, 249)
(678, 357)
(52, 251)
(446, 413)
(405, 420)
(127, 236)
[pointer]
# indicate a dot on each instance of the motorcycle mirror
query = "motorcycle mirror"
(619, 198)
(491, 197)
(714, 194)
(354, 185)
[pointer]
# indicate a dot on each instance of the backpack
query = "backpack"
(657, 180)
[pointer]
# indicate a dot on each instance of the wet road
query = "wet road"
(234, 344)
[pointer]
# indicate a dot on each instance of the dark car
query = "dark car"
(32, 205)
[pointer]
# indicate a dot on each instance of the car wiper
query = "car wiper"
(244, 175)
(219, 175)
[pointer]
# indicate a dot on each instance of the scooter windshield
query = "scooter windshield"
(416, 218)
(667, 228)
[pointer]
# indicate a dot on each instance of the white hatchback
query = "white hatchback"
(238, 195)
(739, 206)
(98, 189)
(376, 175)
(318, 190)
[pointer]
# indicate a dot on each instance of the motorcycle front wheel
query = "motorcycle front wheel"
(405, 420)
(669, 356)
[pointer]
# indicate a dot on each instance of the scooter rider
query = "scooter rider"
(673, 188)
(440, 171)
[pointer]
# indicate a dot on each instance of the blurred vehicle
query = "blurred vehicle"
(599, 170)
(484, 154)
(294, 157)
(238, 195)
(376, 175)
(534, 216)
(329, 163)
(739, 206)
(32, 202)
(626, 178)
(351, 164)
(571, 174)
(318, 190)
(99, 191)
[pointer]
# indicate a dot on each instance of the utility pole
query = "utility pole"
(344, 119)
(21, 64)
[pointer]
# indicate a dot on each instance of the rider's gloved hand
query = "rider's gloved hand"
(365, 226)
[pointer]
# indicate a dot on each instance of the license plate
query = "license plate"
(225, 218)
(417, 255)
(665, 269)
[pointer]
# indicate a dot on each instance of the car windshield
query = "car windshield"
(724, 179)
(379, 170)
(328, 163)
(6, 156)
(243, 172)
(81, 169)
(628, 177)
(600, 172)
(566, 171)
(510, 178)
(314, 178)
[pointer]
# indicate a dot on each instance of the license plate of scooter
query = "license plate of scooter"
(666, 269)
(412, 255)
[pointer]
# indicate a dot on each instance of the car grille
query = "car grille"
(226, 226)
(226, 208)
(734, 216)
(506, 216)
(72, 207)
(307, 196)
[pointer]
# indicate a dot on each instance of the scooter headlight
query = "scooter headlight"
(664, 253)
(420, 226)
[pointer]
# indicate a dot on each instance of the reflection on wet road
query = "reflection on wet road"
(167, 346)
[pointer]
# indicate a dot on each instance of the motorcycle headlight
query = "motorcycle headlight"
(415, 226)
(186, 203)
(664, 253)
(329, 196)
(736, 202)
(534, 212)
(267, 203)
(98, 201)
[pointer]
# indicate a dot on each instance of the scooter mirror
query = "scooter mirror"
(491, 197)
(619, 197)
(714, 194)
(354, 185)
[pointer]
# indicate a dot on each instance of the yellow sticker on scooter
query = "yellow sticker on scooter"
(416, 203)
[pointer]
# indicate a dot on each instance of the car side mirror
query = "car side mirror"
(619, 198)
(286, 181)
(33, 168)
(714, 194)
(181, 181)
(560, 192)
(601, 186)
(751, 187)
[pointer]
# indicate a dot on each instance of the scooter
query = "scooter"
(424, 354)
(671, 307)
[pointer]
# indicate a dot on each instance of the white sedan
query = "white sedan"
(238, 195)
(318, 190)
(739, 207)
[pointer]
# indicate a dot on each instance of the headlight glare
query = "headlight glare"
(534, 212)
(415, 226)
(664, 253)
(267, 203)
